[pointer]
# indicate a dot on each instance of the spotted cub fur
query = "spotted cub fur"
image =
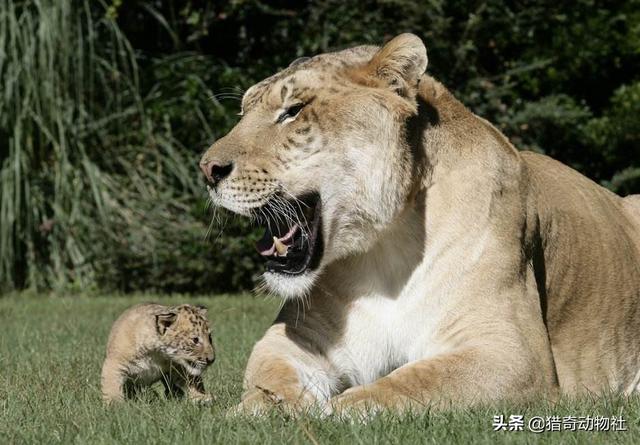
(149, 343)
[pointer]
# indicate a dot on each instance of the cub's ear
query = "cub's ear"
(400, 64)
(164, 321)
(202, 308)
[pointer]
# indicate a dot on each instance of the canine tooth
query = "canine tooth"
(280, 247)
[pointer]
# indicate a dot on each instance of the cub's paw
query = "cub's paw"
(202, 399)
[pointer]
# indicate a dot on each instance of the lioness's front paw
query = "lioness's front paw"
(355, 404)
(261, 401)
(257, 403)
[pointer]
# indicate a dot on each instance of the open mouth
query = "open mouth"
(193, 367)
(292, 242)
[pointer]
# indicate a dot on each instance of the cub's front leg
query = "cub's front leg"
(179, 385)
(112, 382)
(173, 386)
(284, 376)
(196, 391)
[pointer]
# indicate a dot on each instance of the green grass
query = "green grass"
(51, 351)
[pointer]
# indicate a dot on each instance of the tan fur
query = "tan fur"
(456, 270)
(150, 343)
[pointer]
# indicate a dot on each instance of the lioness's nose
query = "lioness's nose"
(215, 172)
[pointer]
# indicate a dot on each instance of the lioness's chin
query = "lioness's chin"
(290, 287)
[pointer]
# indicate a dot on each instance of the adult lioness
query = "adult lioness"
(437, 264)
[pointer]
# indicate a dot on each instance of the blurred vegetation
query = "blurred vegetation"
(106, 106)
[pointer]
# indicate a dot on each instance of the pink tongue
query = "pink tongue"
(266, 247)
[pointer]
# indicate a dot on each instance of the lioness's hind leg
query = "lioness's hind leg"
(464, 378)
(632, 202)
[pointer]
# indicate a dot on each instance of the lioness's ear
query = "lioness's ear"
(164, 321)
(400, 63)
(298, 61)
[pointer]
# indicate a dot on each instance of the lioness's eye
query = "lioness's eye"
(195, 340)
(292, 111)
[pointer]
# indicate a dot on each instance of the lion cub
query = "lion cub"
(151, 342)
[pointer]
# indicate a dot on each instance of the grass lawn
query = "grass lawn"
(51, 352)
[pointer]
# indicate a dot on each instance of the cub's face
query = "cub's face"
(320, 157)
(185, 337)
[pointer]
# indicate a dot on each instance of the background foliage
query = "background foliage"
(106, 106)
